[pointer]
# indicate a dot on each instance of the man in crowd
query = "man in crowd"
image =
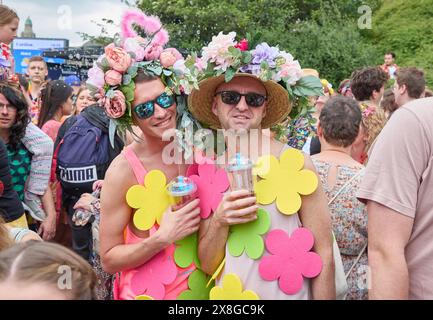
(397, 189)
(389, 66)
(37, 72)
(241, 105)
(409, 85)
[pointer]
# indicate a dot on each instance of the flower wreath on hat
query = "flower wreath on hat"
(228, 57)
(111, 79)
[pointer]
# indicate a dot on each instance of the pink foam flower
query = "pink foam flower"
(291, 259)
(152, 277)
(211, 184)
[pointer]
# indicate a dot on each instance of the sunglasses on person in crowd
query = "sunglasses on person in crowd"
(252, 99)
(147, 109)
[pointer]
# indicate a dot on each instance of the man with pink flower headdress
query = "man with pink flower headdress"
(255, 240)
(141, 84)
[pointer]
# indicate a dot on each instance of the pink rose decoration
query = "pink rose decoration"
(152, 52)
(116, 106)
(242, 45)
(118, 58)
(152, 277)
(211, 184)
(169, 56)
(113, 78)
(200, 65)
(290, 260)
(133, 45)
(96, 77)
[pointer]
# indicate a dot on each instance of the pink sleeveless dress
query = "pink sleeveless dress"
(123, 288)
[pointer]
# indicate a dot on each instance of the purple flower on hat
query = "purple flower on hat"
(263, 52)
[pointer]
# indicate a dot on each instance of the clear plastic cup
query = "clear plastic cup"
(240, 173)
(182, 191)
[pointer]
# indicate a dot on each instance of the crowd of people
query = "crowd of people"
(339, 209)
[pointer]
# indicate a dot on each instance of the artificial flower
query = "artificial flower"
(284, 181)
(242, 45)
(232, 289)
(96, 77)
(136, 47)
(290, 260)
(113, 78)
(152, 52)
(115, 106)
(117, 58)
(152, 277)
(217, 51)
(248, 236)
(198, 289)
(151, 200)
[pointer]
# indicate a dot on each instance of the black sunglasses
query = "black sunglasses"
(147, 109)
(254, 100)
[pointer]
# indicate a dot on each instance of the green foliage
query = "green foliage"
(405, 27)
(320, 34)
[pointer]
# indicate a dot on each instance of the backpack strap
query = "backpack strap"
(135, 163)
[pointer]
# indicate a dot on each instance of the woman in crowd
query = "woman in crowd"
(83, 100)
(14, 132)
(388, 103)
(9, 22)
(44, 271)
(341, 176)
(56, 103)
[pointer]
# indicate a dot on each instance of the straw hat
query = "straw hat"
(200, 102)
(310, 72)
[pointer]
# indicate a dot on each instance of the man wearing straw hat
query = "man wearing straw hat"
(242, 95)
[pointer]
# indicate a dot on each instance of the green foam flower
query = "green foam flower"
(198, 289)
(248, 237)
(187, 251)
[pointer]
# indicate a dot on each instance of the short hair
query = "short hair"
(7, 15)
(340, 120)
(390, 53)
(39, 262)
(388, 103)
(367, 80)
(413, 79)
(38, 59)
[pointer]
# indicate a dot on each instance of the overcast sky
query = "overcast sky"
(63, 18)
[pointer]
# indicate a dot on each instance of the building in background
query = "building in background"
(28, 29)
(62, 61)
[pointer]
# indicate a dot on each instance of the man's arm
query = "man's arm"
(315, 216)
(116, 215)
(235, 208)
(389, 273)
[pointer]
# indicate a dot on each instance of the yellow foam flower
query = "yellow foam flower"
(284, 181)
(144, 297)
(232, 290)
(150, 200)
